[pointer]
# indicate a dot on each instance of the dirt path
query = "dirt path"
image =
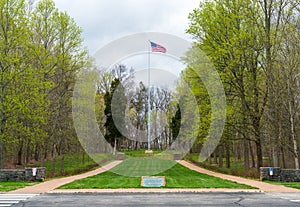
(52, 184)
(265, 187)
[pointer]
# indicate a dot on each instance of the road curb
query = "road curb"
(159, 190)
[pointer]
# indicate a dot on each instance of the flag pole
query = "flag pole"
(149, 108)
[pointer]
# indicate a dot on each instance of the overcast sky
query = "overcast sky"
(103, 21)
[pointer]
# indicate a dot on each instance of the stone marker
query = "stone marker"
(149, 152)
(153, 181)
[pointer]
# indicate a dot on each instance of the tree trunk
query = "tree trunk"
(239, 151)
(26, 155)
(283, 158)
(209, 160)
(259, 154)
(37, 154)
(276, 143)
(115, 146)
(295, 145)
(83, 155)
(275, 156)
(296, 156)
(71, 160)
(62, 170)
(215, 157)
(228, 156)
(63, 151)
(54, 160)
(220, 156)
(234, 155)
(252, 155)
(20, 153)
(1, 155)
(2, 122)
(246, 155)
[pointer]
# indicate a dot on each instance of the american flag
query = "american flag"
(157, 48)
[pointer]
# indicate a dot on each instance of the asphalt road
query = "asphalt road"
(162, 199)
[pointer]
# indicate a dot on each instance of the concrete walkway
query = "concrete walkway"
(265, 187)
(55, 183)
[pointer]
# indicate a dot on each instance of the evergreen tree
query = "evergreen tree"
(115, 112)
(175, 123)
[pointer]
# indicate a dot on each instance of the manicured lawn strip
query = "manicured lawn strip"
(287, 184)
(104, 180)
(6, 186)
(181, 177)
(176, 177)
(135, 167)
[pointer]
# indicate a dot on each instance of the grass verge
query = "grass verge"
(6, 186)
(287, 184)
(177, 176)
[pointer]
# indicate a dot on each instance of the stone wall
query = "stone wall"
(280, 175)
(290, 175)
(22, 175)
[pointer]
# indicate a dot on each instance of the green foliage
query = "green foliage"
(252, 45)
(41, 53)
(22, 99)
(113, 109)
(175, 123)
(227, 33)
(99, 110)
(199, 90)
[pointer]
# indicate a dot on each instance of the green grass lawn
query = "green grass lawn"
(142, 166)
(6, 186)
(287, 184)
(177, 176)
(167, 154)
(238, 170)
(74, 164)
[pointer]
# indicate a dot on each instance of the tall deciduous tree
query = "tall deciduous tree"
(22, 116)
(247, 42)
(228, 37)
(41, 53)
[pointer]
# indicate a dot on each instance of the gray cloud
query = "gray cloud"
(106, 20)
